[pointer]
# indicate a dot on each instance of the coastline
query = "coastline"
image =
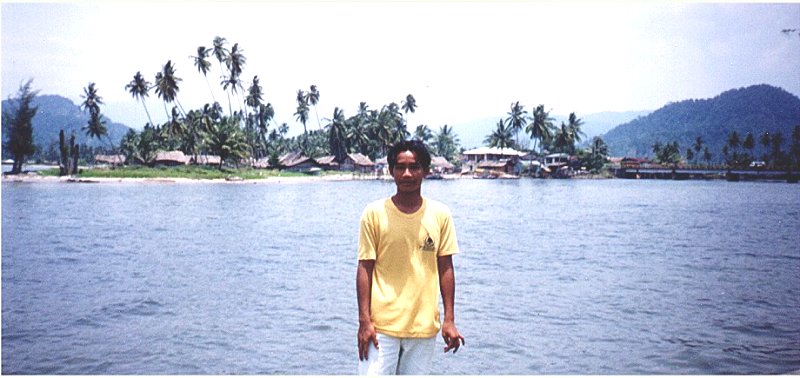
(32, 177)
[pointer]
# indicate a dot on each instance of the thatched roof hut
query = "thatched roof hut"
(171, 158)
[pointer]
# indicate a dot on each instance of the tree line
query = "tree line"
(737, 152)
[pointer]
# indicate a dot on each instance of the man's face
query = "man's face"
(408, 173)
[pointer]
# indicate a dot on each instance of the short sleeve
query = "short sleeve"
(367, 237)
(449, 244)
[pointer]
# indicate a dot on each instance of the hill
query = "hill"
(755, 109)
(56, 113)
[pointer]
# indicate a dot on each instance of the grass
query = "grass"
(187, 172)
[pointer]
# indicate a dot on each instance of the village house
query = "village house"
(296, 162)
(506, 160)
(170, 158)
(357, 163)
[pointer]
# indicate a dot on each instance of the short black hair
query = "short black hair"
(415, 146)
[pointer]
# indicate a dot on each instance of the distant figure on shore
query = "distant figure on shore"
(405, 249)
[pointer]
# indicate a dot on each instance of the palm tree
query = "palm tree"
(235, 62)
(423, 133)
(501, 137)
(707, 155)
(749, 143)
(574, 127)
(562, 141)
(139, 88)
(96, 127)
(598, 155)
(227, 140)
(409, 105)
(517, 119)
(203, 65)
(765, 141)
(698, 145)
(337, 135)
(312, 98)
(167, 86)
(446, 142)
(302, 116)
(776, 155)
(541, 127)
(220, 52)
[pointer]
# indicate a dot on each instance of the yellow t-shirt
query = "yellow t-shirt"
(405, 280)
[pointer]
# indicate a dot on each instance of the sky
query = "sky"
(460, 60)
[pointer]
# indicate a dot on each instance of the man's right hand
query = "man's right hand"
(366, 334)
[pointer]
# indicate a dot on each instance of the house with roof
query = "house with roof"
(170, 158)
(507, 160)
(297, 162)
(357, 162)
(440, 165)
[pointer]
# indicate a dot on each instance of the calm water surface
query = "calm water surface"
(555, 277)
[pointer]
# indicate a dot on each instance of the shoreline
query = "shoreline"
(33, 177)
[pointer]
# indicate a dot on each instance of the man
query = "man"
(405, 249)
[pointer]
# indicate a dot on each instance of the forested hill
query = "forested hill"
(756, 109)
(56, 113)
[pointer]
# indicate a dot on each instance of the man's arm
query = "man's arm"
(447, 285)
(366, 332)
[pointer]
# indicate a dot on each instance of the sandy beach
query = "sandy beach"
(33, 177)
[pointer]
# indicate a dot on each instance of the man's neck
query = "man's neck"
(407, 203)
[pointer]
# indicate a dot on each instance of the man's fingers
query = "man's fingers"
(453, 343)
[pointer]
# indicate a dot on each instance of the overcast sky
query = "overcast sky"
(460, 60)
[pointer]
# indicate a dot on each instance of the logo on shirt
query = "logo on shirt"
(429, 245)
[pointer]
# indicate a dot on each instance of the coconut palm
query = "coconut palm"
(574, 127)
(139, 88)
(765, 140)
(698, 145)
(203, 65)
(96, 126)
(409, 105)
(220, 52)
(302, 116)
(541, 126)
(517, 119)
(501, 137)
(167, 86)
(235, 62)
(337, 135)
(563, 141)
(227, 140)
(312, 98)
(446, 142)
(423, 133)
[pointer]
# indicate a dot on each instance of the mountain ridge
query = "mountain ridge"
(755, 109)
(58, 112)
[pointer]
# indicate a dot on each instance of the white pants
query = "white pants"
(399, 356)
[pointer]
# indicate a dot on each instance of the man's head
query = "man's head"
(415, 146)
(409, 163)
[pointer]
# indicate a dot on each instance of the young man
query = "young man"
(405, 250)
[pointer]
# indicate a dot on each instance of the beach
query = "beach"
(33, 177)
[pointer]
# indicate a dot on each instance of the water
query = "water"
(555, 277)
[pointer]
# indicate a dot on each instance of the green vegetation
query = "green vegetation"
(19, 123)
(756, 110)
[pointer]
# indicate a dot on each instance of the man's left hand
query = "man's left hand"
(452, 338)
